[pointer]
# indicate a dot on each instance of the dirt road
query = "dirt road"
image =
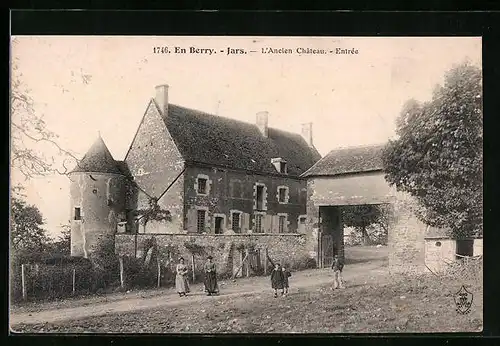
(371, 270)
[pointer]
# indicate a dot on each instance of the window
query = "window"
(202, 186)
(201, 221)
(78, 215)
(235, 224)
(282, 224)
(258, 223)
(282, 195)
(282, 167)
(260, 197)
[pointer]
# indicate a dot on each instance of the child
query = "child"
(337, 266)
(286, 275)
(277, 279)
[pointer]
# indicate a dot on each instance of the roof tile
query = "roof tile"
(216, 140)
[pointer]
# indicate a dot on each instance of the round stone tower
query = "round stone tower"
(98, 200)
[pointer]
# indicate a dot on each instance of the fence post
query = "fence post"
(193, 267)
(265, 263)
(23, 281)
(74, 279)
(122, 281)
(247, 254)
(159, 271)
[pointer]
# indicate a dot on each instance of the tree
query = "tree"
(62, 246)
(152, 212)
(27, 234)
(29, 132)
(362, 216)
(437, 156)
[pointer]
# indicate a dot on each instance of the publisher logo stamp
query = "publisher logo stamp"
(463, 300)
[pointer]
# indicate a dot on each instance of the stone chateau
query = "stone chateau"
(233, 190)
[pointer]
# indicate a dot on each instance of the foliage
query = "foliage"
(361, 217)
(29, 132)
(26, 233)
(196, 249)
(437, 157)
(62, 246)
(152, 212)
(300, 263)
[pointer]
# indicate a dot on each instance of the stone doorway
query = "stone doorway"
(331, 235)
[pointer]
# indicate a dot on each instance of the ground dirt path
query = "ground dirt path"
(371, 269)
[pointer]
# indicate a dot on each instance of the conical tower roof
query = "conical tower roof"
(98, 159)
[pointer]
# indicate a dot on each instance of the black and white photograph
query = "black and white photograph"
(246, 184)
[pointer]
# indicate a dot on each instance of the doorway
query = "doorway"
(331, 235)
(218, 224)
(465, 248)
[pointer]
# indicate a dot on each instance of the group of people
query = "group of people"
(279, 277)
(210, 278)
(279, 280)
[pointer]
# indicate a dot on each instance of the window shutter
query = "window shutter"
(275, 224)
(245, 222)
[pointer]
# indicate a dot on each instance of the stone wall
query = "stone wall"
(406, 238)
(439, 252)
(227, 250)
(354, 189)
(155, 162)
(478, 247)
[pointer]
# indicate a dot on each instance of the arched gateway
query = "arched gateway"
(354, 176)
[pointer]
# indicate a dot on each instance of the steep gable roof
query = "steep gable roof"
(215, 140)
(349, 160)
(98, 159)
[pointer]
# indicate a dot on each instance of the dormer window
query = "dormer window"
(280, 165)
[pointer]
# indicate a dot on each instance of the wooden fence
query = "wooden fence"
(41, 281)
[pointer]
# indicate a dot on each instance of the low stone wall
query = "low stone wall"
(228, 251)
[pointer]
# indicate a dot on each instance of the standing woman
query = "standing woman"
(210, 276)
(181, 283)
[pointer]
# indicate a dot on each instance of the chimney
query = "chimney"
(307, 133)
(161, 98)
(261, 122)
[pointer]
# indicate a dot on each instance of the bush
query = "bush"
(466, 269)
(300, 263)
(50, 278)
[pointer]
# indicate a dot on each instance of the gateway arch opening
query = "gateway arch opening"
(357, 233)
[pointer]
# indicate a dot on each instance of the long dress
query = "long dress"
(210, 278)
(277, 279)
(181, 283)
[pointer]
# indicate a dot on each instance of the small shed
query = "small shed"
(441, 249)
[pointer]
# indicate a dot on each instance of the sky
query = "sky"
(85, 85)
